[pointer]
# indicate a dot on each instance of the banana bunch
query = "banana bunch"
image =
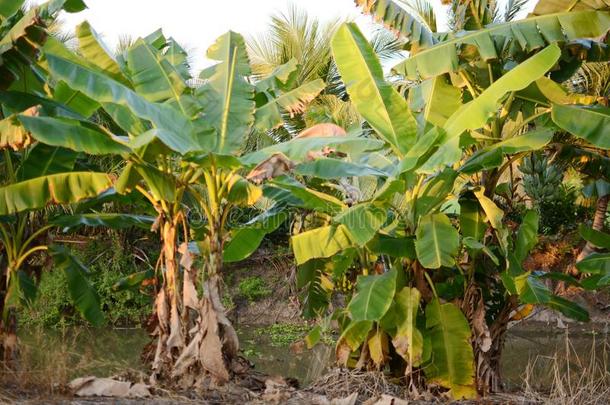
(343, 284)
(541, 179)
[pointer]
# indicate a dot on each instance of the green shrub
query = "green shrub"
(108, 262)
(253, 288)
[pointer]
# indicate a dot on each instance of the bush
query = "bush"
(108, 262)
(253, 288)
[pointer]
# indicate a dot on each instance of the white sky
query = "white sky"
(196, 23)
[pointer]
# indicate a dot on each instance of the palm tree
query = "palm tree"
(295, 35)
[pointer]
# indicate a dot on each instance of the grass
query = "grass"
(50, 359)
(573, 379)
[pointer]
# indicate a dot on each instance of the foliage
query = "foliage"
(556, 202)
(410, 206)
(283, 334)
(254, 288)
(108, 263)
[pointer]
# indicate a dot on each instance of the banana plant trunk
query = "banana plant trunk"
(170, 340)
(598, 225)
(9, 350)
(487, 341)
(196, 343)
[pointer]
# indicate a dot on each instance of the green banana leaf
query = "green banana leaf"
(408, 341)
(421, 151)
(310, 198)
(63, 188)
(597, 238)
(350, 340)
(94, 50)
(42, 160)
(533, 291)
(242, 192)
(245, 240)
(72, 134)
(529, 34)
(269, 115)
(588, 123)
(373, 297)
(375, 99)
(362, 222)
(527, 236)
(492, 156)
(83, 295)
(133, 280)
(105, 90)
(114, 221)
(452, 363)
(570, 309)
(475, 245)
(437, 241)
(596, 263)
(434, 192)
(154, 78)
(177, 57)
(392, 246)
(544, 7)
(227, 96)
(325, 168)
(472, 220)
(475, 114)
(395, 17)
(494, 216)
(62, 92)
(22, 291)
(10, 7)
(298, 148)
(321, 242)
(435, 99)
(161, 184)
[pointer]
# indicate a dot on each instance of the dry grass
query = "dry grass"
(340, 383)
(48, 363)
(567, 378)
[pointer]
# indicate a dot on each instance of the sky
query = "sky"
(197, 23)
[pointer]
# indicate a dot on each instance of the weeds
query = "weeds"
(50, 359)
(254, 288)
(573, 379)
(283, 334)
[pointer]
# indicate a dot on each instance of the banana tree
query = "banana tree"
(475, 59)
(431, 301)
(181, 141)
(35, 175)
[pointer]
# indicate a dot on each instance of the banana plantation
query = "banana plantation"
(417, 177)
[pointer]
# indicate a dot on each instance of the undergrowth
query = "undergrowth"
(109, 260)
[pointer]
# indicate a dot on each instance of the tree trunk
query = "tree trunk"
(598, 225)
(488, 371)
(196, 343)
(170, 340)
(487, 342)
(9, 349)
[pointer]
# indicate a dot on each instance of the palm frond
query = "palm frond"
(293, 34)
(513, 8)
(591, 78)
(423, 10)
(387, 45)
(126, 41)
